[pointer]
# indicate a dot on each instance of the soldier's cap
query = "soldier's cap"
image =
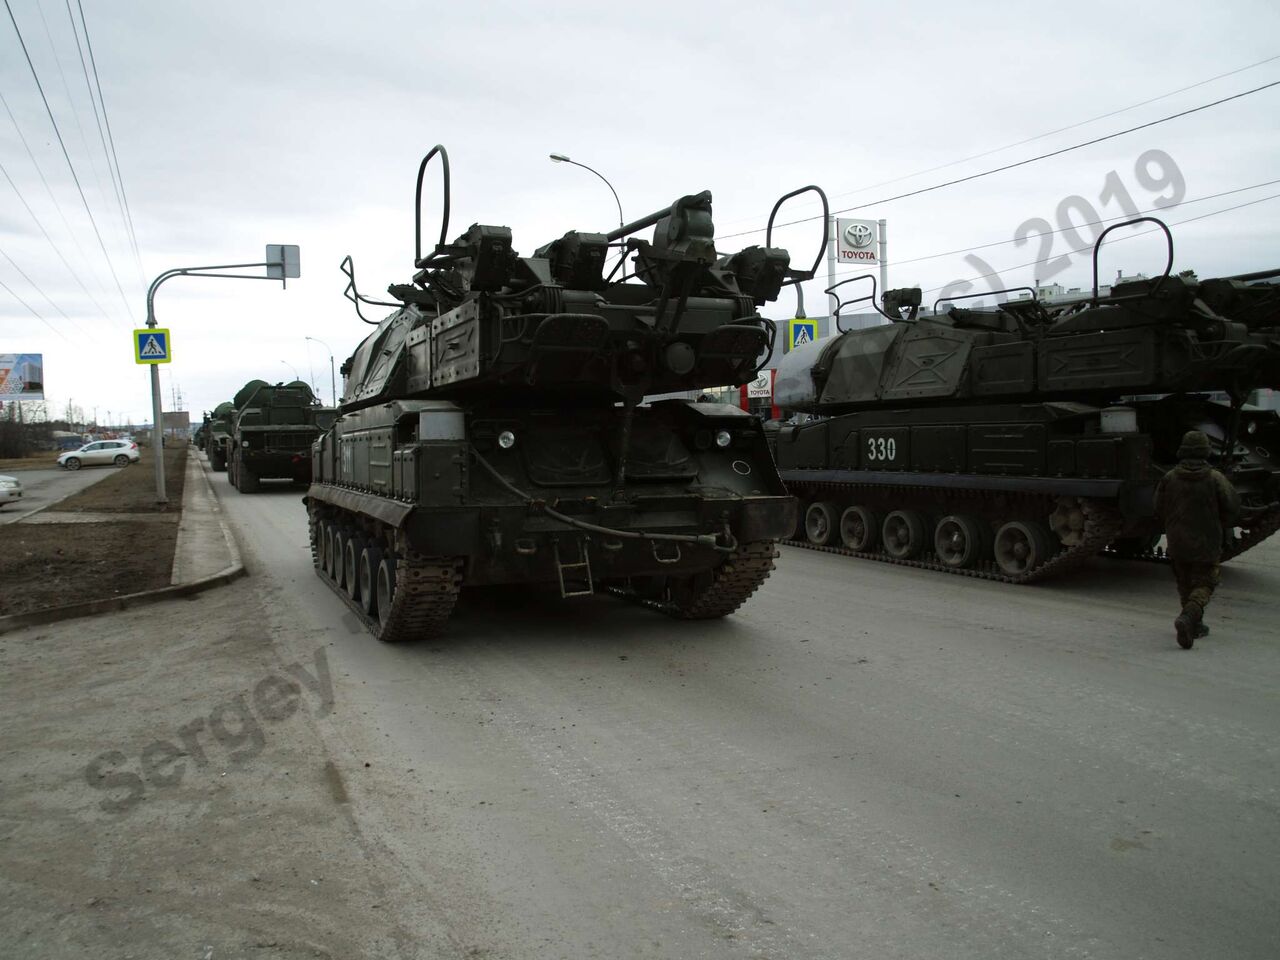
(1195, 446)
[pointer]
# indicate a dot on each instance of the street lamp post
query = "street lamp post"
(293, 368)
(561, 158)
(333, 382)
(282, 264)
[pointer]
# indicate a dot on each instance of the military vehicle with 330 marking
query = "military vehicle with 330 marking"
(272, 430)
(494, 428)
(1015, 442)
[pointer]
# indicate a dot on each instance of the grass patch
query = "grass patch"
(54, 564)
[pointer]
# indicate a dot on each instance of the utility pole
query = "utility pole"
(333, 382)
(282, 263)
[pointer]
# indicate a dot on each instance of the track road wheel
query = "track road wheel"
(367, 578)
(960, 540)
(336, 565)
(859, 529)
(904, 534)
(317, 544)
(1068, 521)
(327, 535)
(820, 523)
(385, 588)
(352, 545)
(1021, 546)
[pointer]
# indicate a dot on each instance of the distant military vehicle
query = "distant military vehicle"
(1015, 442)
(492, 428)
(217, 439)
(272, 430)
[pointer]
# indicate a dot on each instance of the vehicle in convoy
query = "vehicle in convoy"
(217, 439)
(1015, 442)
(121, 453)
(272, 429)
(10, 490)
(493, 428)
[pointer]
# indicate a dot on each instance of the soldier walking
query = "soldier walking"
(1199, 507)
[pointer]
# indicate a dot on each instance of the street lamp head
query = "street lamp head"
(560, 158)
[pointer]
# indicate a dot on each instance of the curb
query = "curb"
(89, 608)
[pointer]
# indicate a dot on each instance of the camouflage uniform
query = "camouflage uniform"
(1198, 506)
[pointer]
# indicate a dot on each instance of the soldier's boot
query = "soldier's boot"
(1202, 630)
(1187, 625)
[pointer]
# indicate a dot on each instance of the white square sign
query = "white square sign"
(856, 242)
(761, 388)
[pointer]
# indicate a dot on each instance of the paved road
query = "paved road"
(868, 761)
(45, 486)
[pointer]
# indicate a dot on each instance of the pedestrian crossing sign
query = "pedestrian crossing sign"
(151, 345)
(801, 331)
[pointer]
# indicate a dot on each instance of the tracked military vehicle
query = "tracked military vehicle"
(1015, 442)
(493, 428)
(272, 430)
(217, 439)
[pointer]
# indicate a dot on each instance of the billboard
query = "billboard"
(856, 242)
(21, 376)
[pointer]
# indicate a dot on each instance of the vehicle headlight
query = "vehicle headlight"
(1252, 427)
(723, 438)
(9, 484)
(506, 439)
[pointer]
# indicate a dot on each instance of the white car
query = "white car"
(120, 452)
(10, 490)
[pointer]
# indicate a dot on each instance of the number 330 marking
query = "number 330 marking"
(878, 448)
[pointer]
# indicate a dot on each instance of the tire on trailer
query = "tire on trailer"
(821, 523)
(961, 540)
(859, 528)
(1022, 545)
(249, 482)
(904, 534)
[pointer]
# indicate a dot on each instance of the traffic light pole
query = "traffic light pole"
(282, 264)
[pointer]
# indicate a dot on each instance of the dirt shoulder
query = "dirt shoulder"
(36, 461)
(167, 793)
(54, 564)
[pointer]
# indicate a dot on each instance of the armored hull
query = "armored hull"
(494, 429)
(272, 430)
(1016, 443)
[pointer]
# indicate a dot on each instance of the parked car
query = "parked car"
(120, 452)
(10, 490)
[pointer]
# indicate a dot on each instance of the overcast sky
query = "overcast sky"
(238, 124)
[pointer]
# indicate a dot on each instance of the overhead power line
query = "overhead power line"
(1086, 223)
(1018, 163)
(53, 197)
(35, 286)
(33, 311)
(70, 269)
(102, 137)
(128, 213)
(1140, 233)
(67, 156)
(1050, 133)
